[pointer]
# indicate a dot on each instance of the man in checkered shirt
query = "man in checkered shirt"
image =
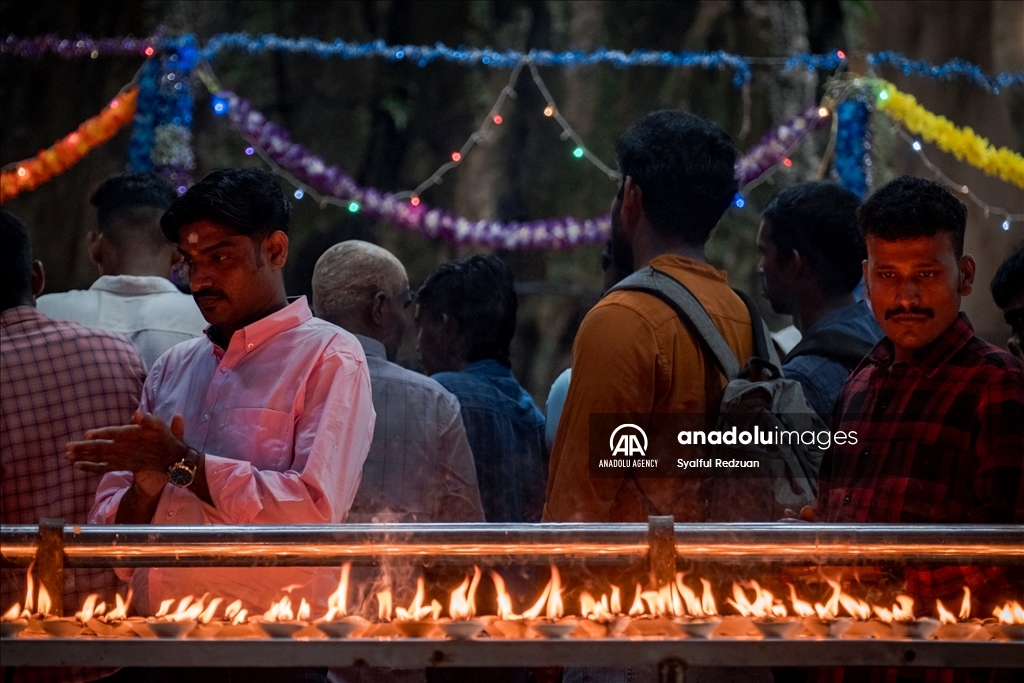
(57, 379)
(938, 412)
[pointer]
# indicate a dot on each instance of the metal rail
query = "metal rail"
(659, 545)
(419, 653)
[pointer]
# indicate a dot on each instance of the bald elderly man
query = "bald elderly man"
(420, 467)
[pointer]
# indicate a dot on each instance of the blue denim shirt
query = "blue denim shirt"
(820, 377)
(506, 433)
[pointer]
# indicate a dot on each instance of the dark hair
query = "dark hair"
(128, 191)
(1009, 279)
(819, 220)
(478, 292)
(15, 261)
(246, 201)
(909, 207)
(685, 168)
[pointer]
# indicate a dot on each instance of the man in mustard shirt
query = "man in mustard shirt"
(632, 353)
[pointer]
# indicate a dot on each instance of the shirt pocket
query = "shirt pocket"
(259, 436)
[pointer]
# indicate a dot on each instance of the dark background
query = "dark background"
(390, 124)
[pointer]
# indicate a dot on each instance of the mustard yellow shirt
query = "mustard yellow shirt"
(633, 354)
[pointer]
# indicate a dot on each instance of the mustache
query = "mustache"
(208, 292)
(912, 310)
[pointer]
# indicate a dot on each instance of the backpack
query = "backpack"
(841, 347)
(756, 396)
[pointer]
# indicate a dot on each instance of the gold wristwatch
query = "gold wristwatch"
(183, 472)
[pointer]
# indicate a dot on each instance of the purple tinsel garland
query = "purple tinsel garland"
(556, 233)
(778, 143)
(83, 46)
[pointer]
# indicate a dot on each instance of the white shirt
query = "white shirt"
(150, 311)
(285, 418)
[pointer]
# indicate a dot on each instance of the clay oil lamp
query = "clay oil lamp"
(862, 625)
(822, 621)
(12, 622)
(508, 624)
(281, 622)
(461, 609)
(957, 627)
(552, 624)
(701, 616)
(602, 618)
(107, 624)
(770, 616)
(419, 620)
(176, 624)
(903, 622)
(1011, 620)
(337, 623)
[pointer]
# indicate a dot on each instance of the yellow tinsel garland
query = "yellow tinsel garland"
(963, 143)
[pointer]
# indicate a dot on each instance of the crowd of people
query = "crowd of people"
(132, 403)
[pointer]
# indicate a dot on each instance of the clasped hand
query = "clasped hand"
(147, 447)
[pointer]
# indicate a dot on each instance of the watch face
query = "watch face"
(181, 475)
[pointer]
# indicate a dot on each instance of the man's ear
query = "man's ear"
(377, 309)
(275, 249)
(967, 270)
(632, 208)
(38, 278)
(94, 244)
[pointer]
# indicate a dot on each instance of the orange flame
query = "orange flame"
(535, 611)
(705, 606)
(801, 607)
(504, 599)
(44, 604)
(13, 613)
(764, 604)
(637, 608)
(588, 606)
(556, 608)
(235, 613)
(904, 609)
(384, 605)
(830, 610)
(417, 610)
(600, 610)
(965, 605)
(282, 611)
(616, 601)
(207, 614)
(1010, 613)
(187, 609)
(120, 610)
(88, 608)
(856, 608)
(461, 606)
(337, 603)
(30, 591)
(945, 616)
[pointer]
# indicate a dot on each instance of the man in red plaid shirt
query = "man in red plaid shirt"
(57, 379)
(938, 413)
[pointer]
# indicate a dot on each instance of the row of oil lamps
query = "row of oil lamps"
(673, 610)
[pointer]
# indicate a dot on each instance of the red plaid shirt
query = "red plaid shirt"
(57, 380)
(940, 439)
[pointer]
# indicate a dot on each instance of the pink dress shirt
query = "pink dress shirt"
(285, 418)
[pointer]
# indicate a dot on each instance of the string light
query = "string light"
(497, 119)
(415, 201)
(1008, 218)
(456, 157)
(353, 207)
(220, 106)
(578, 152)
(549, 110)
(248, 151)
(787, 162)
(299, 193)
(883, 95)
(840, 54)
(738, 201)
(823, 112)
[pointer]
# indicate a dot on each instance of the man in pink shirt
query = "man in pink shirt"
(266, 419)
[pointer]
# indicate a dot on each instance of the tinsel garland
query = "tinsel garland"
(85, 46)
(65, 153)
(963, 143)
(852, 158)
(162, 137)
(557, 233)
(777, 144)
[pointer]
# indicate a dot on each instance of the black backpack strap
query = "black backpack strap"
(841, 347)
(688, 308)
(764, 350)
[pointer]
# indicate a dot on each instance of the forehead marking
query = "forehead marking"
(193, 237)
